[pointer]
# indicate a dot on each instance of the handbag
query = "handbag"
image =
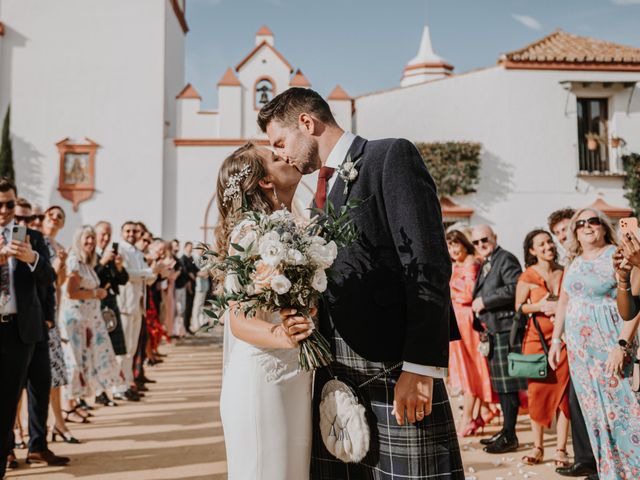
(635, 380)
(110, 319)
(534, 365)
(343, 419)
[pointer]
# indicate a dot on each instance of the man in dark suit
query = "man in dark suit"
(24, 274)
(494, 306)
(387, 306)
(38, 379)
(192, 270)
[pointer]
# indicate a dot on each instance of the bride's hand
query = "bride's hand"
(296, 327)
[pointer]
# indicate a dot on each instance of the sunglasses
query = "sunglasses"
(20, 218)
(39, 217)
(593, 221)
(11, 204)
(481, 240)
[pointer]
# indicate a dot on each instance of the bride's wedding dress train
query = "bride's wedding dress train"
(265, 405)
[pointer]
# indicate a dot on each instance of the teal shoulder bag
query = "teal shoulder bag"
(532, 366)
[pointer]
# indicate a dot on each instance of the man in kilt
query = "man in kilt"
(493, 305)
(387, 310)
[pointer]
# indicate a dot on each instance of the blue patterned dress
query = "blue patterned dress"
(611, 409)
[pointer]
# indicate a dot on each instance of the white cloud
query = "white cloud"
(527, 21)
(625, 2)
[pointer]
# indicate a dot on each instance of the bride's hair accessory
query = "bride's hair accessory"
(232, 188)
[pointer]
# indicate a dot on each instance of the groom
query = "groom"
(387, 304)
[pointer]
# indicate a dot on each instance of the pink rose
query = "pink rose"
(263, 275)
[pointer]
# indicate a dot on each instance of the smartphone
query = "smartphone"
(629, 225)
(19, 233)
(114, 247)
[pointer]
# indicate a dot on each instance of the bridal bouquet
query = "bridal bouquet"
(275, 262)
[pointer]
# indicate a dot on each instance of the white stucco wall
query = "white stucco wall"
(527, 124)
(89, 68)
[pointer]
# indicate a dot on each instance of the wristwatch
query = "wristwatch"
(623, 343)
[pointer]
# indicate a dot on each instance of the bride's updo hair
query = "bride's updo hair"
(244, 169)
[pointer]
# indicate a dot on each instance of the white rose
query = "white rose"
(353, 174)
(271, 251)
(319, 281)
(295, 257)
(323, 255)
(347, 166)
(278, 215)
(232, 283)
(280, 284)
(316, 240)
(249, 243)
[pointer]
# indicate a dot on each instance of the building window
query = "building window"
(592, 135)
(264, 92)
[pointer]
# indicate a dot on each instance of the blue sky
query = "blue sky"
(364, 44)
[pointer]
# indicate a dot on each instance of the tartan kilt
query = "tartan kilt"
(117, 336)
(501, 381)
(427, 449)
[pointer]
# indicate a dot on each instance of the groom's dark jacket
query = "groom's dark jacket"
(388, 293)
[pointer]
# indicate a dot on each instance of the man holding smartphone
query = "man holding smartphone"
(23, 272)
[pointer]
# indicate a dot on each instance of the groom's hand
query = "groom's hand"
(413, 394)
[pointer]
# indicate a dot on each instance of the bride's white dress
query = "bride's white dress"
(265, 405)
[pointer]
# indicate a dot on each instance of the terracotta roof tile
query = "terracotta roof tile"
(338, 93)
(299, 80)
(264, 31)
(188, 92)
(229, 79)
(562, 50)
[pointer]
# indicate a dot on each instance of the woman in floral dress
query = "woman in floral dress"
(600, 368)
(91, 361)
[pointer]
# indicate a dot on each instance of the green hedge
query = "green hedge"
(454, 166)
(631, 163)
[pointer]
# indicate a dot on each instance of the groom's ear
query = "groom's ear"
(307, 123)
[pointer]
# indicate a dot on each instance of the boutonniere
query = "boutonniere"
(348, 172)
(486, 268)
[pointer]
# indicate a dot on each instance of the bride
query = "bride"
(265, 403)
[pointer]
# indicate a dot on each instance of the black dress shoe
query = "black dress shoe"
(578, 469)
(48, 457)
(503, 445)
(490, 440)
(593, 476)
(129, 395)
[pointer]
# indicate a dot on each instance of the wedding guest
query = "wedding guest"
(24, 272)
(168, 305)
(493, 304)
(198, 317)
(559, 225)
(537, 295)
(91, 362)
(130, 301)
(37, 217)
(54, 220)
(468, 369)
(180, 293)
(191, 270)
(597, 342)
(39, 370)
(112, 275)
(584, 463)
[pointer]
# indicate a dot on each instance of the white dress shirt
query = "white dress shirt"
(11, 307)
(334, 160)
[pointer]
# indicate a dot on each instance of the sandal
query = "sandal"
(536, 458)
(73, 411)
(562, 458)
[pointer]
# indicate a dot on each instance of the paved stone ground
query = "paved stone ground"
(175, 432)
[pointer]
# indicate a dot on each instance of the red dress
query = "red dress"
(551, 394)
(468, 369)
